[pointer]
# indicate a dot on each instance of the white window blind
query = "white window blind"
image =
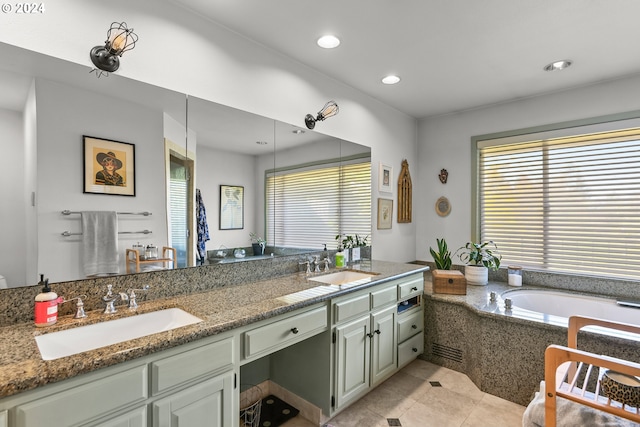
(568, 204)
(307, 208)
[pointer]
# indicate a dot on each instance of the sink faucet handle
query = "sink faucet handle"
(326, 262)
(79, 306)
(316, 262)
(132, 296)
(307, 263)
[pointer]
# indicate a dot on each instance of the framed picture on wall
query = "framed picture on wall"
(109, 167)
(384, 178)
(231, 207)
(385, 213)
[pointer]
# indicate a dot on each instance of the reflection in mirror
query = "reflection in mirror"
(322, 189)
(47, 106)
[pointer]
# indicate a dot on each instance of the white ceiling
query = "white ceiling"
(452, 55)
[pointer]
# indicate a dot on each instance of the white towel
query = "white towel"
(100, 243)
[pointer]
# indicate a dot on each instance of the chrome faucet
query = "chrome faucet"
(110, 299)
(132, 296)
(326, 263)
(316, 262)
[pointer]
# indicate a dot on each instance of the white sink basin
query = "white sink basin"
(347, 277)
(84, 338)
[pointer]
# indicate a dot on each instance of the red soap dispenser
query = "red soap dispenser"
(46, 307)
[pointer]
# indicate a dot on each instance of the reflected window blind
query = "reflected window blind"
(308, 208)
(570, 204)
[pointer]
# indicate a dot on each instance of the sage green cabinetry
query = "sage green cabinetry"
(366, 332)
(189, 386)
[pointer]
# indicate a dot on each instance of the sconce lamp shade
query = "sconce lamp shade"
(119, 40)
(329, 109)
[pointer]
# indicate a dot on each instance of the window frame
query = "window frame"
(605, 123)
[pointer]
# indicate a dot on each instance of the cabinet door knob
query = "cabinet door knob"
(414, 289)
(415, 350)
(377, 331)
(414, 326)
(294, 330)
(370, 335)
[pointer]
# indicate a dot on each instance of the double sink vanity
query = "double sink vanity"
(327, 338)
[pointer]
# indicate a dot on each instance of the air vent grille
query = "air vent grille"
(446, 352)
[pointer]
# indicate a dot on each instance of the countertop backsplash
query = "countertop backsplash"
(16, 304)
(615, 288)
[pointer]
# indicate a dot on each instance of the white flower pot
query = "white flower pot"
(476, 275)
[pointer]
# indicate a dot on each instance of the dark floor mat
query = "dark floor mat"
(275, 412)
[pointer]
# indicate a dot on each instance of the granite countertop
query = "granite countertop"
(478, 300)
(221, 309)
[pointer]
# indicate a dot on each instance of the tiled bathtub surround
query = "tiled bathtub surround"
(502, 353)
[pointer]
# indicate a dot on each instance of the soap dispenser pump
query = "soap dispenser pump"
(340, 257)
(46, 306)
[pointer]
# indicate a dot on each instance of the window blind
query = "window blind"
(307, 208)
(568, 204)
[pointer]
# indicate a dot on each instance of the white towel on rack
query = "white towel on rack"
(100, 243)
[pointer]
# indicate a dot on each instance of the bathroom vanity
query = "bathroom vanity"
(327, 344)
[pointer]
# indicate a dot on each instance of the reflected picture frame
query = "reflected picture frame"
(385, 213)
(231, 207)
(109, 167)
(385, 175)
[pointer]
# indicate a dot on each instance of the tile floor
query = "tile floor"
(409, 397)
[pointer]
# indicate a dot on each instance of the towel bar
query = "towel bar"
(67, 212)
(67, 233)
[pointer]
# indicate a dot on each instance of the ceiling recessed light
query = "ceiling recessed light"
(390, 80)
(328, 42)
(558, 65)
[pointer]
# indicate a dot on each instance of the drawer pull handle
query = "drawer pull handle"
(415, 350)
(294, 330)
(414, 326)
(377, 331)
(414, 289)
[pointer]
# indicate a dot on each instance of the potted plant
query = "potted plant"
(442, 258)
(478, 259)
(257, 243)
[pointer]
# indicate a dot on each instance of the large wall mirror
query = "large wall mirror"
(48, 105)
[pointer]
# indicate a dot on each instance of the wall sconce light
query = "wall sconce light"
(329, 109)
(119, 40)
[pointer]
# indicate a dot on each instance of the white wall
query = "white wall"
(185, 53)
(217, 168)
(13, 250)
(65, 114)
(445, 142)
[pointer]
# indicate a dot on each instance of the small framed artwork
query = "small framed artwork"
(385, 213)
(109, 167)
(231, 207)
(384, 178)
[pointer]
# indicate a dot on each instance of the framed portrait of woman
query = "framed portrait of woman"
(109, 167)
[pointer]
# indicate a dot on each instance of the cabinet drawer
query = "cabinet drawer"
(285, 332)
(383, 297)
(86, 402)
(410, 349)
(413, 286)
(409, 325)
(184, 367)
(346, 309)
